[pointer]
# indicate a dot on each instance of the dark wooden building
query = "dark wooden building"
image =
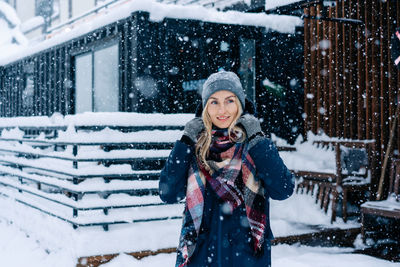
(351, 82)
(139, 65)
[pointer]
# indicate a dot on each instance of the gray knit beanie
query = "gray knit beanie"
(223, 80)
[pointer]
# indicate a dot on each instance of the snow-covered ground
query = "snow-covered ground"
(294, 216)
(17, 249)
(282, 256)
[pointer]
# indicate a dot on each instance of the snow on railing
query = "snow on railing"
(80, 176)
(98, 119)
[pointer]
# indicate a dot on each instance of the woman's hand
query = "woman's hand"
(250, 124)
(193, 128)
(252, 127)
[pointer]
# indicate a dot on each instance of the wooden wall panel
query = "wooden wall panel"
(324, 50)
(397, 72)
(360, 92)
(361, 81)
(383, 77)
(319, 61)
(344, 70)
(331, 73)
(307, 70)
(338, 72)
(353, 34)
(313, 71)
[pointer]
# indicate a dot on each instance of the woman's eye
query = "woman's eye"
(230, 101)
(214, 102)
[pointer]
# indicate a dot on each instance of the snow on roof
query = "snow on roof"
(9, 13)
(10, 35)
(218, 4)
(270, 4)
(158, 12)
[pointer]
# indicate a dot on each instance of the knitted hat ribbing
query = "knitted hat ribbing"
(223, 80)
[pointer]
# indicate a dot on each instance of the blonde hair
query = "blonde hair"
(205, 138)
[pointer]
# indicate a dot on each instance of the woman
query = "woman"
(227, 170)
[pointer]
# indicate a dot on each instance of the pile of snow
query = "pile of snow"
(99, 119)
(309, 157)
(271, 4)
(392, 203)
(11, 37)
(32, 24)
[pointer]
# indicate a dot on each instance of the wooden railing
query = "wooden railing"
(86, 182)
(332, 186)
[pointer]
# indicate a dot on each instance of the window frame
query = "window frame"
(91, 48)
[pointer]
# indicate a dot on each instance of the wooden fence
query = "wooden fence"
(351, 82)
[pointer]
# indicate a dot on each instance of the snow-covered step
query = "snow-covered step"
(66, 170)
(106, 136)
(98, 217)
(128, 215)
(88, 155)
(139, 159)
(87, 202)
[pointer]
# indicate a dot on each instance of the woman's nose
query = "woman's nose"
(221, 108)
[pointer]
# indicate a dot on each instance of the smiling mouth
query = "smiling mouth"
(223, 118)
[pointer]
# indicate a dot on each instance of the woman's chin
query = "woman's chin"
(222, 125)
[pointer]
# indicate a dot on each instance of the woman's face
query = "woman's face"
(222, 108)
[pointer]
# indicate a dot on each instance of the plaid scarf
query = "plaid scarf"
(228, 160)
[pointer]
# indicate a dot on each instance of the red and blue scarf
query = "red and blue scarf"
(231, 159)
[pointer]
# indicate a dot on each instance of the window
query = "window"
(97, 80)
(247, 67)
(48, 9)
(83, 83)
(44, 8)
(106, 87)
(28, 92)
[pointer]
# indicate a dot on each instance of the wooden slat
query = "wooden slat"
(368, 77)
(313, 84)
(307, 76)
(338, 69)
(353, 71)
(375, 90)
(344, 70)
(326, 198)
(331, 70)
(325, 76)
(319, 65)
(392, 73)
(381, 212)
(383, 86)
(397, 71)
(361, 97)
